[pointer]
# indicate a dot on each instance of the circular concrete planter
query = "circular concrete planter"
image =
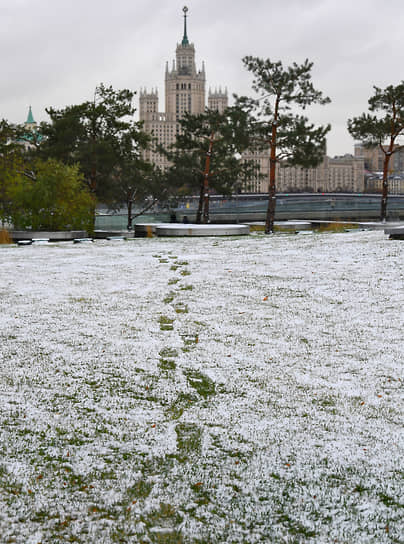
(201, 230)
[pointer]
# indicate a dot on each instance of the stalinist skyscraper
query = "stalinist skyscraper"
(184, 92)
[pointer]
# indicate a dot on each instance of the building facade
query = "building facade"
(185, 92)
(374, 162)
(338, 174)
(374, 183)
(374, 159)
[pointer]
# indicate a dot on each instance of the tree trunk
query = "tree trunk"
(206, 199)
(383, 207)
(200, 204)
(130, 214)
(94, 209)
(270, 219)
(206, 181)
(93, 188)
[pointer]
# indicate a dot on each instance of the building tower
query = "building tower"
(30, 123)
(184, 85)
(218, 100)
(148, 105)
(184, 92)
(31, 135)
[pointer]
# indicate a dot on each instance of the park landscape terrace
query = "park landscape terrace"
(203, 390)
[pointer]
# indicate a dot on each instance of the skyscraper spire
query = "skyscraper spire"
(185, 38)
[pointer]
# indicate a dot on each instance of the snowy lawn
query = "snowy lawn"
(236, 390)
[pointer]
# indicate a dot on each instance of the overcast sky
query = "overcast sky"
(54, 53)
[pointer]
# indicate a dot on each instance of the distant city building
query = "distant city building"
(30, 124)
(374, 159)
(374, 183)
(338, 174)
(344, 174)
(374, 162)
(218, 100)
(396, 184)
(31, 135)
(184, 92)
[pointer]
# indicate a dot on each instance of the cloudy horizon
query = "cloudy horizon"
(56, 54)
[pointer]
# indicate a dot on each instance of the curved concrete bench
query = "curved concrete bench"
(52, 236)
(395, 233)
(176, 229)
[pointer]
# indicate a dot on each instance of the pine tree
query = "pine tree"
(382, 128)
(290, 136)
(99, 135)
(207, 155)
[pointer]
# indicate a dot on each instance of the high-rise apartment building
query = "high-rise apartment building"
(374, 159)
(338, 174)
(185, 91)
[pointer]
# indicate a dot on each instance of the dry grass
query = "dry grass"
(5, 237)
(336, 227)
(277, 228)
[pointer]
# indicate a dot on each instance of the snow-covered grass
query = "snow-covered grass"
(236, 390)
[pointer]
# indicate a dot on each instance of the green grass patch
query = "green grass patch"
(201, 383)
(166, 323)
(169, 298)
(167, 519)
(190, 339)
(182, 402)
(140, 490)
(167, 364)
(168, 352)
(181, 309)
(189, 438)
(295, 527)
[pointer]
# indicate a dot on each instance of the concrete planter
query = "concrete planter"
(60, 236)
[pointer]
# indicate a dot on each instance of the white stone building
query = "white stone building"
(185, 91)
